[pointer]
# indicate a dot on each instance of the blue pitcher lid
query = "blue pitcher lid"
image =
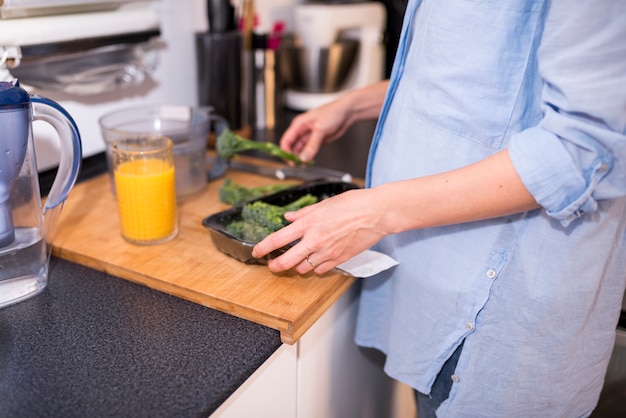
(11, 94)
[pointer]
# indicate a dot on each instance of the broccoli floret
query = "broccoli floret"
(259, 219)
(248, 231)
(229, 143)
(272, 216)
(264, 214)
(232, 193)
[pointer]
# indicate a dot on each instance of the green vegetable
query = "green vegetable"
(272, 216)
(248, 231)
(232, 193)
(259, 219)
(229, 144)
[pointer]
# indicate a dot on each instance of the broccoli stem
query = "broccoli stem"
(306, 200)
(229, 144)
(274, 150)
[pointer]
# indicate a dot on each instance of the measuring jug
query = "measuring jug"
(26, 227)
(188, 127)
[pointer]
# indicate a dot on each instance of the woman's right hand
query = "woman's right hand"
(310, 130)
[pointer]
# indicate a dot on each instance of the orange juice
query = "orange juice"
(146, 195)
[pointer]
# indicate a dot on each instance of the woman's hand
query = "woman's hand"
(329, 233)
(310, 130)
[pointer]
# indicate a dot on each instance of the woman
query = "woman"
(497, 179)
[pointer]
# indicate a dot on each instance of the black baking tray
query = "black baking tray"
(241, 250)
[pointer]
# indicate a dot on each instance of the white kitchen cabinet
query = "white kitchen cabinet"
(269, 393)
(323, 375)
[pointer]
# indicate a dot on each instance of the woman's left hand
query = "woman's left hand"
(329, 233)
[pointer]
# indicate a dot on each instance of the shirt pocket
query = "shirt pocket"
(469, 64)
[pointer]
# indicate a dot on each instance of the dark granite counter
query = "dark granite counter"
(92, 345)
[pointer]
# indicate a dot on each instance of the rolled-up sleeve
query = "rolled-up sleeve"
(576, 155)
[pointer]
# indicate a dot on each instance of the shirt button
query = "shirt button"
(603, 167)
(469, 326)
(455, 378)
(491, 273)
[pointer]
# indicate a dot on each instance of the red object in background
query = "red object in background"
(273, 41)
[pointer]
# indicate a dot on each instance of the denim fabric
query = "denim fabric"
(428, 404)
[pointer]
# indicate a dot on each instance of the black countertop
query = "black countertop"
(93, 345)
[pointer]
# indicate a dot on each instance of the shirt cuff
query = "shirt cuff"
(562, 184)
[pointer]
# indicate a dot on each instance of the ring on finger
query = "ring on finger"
(310, 262)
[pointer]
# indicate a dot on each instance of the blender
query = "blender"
(337, 47)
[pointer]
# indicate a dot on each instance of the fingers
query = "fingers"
(283, 236)
(301, 259)
(298, 257)
(278, 239)
(295, 215)
(290, 137)
(312, 146)
(308, 144)
(305, 135)
(296, 133)
(309, 265)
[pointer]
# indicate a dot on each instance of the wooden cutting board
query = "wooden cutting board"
(190, 266)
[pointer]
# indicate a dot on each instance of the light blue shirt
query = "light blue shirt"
(536, 296)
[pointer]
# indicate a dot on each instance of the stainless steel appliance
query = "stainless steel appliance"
(338, 47)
